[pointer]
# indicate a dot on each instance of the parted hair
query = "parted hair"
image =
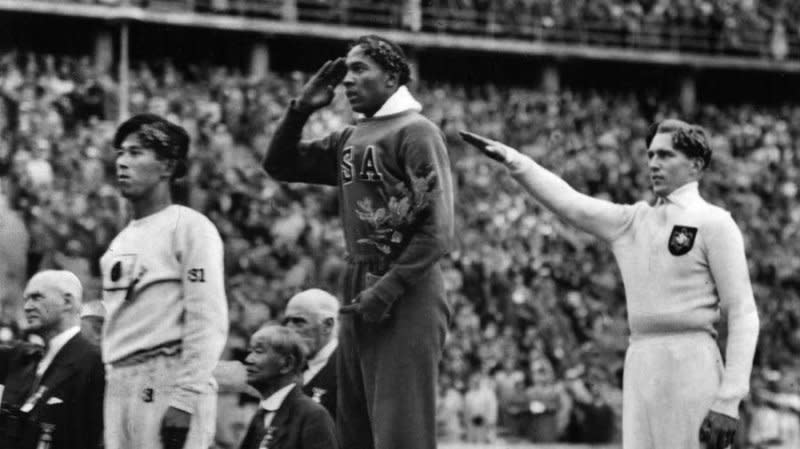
(286, 342)
(167, 139)
(691, 140)
(386, 54)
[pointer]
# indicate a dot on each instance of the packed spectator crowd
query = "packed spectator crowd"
(728, 26)
(745, 27)
(538, 326)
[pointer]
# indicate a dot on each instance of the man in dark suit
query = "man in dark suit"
(314, 314)
(286, 418)
(53, 393)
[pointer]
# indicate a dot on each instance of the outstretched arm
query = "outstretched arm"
(601, 218)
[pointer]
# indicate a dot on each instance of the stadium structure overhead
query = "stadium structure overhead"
(123, 12)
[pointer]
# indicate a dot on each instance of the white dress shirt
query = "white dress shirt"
(316, 364)
(56, 343)
(274, 402)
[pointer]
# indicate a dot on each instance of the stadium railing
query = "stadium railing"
(431, 17)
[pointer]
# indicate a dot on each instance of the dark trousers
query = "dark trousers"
(387, 371)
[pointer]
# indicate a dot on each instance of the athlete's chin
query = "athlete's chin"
(363, 108)
(127, 192)
(355, 105)
(660, 189)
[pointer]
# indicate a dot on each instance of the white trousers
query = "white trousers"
(138, 396)
(669, 385)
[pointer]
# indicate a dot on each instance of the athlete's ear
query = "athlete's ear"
(697, 164)
(392, 80)
(170, 165)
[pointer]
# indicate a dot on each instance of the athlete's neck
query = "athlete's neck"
(160, 199)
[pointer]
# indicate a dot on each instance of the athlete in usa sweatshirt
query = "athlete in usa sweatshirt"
(396, 204)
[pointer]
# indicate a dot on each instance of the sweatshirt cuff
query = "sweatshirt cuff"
(295, 110)
(388, 289)
(184, 399)
(728, 407)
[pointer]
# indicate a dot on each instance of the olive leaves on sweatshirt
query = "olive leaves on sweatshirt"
(404, 209)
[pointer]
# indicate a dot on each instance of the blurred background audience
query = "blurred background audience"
(538, 327)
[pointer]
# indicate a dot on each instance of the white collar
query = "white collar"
(324, 353)
(57, 342)
(275, 400)
(683, 195)
(54, 346)
(316, 364)
(400, 101)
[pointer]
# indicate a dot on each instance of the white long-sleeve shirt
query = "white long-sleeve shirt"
(682, 263)
(163, 283)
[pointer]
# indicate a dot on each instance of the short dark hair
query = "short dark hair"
(691, 140)
(167, 139)
(386, 54)
(286, 342)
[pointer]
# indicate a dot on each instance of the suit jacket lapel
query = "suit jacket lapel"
(255, 432)
(59, 369)
(283, 415)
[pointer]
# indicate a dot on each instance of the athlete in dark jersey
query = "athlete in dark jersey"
(396, 204)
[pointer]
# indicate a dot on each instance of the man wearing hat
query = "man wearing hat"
(93, 314)
(53, 393)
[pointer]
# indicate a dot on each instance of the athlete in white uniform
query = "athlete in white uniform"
(167, 316)
(683, 264)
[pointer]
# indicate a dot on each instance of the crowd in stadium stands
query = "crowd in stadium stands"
(747, 27)
(538, 326)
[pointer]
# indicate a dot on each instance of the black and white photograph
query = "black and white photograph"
(399, 224)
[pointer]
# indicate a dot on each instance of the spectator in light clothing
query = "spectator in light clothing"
(449, 411)
(549, 401)
(480, 410)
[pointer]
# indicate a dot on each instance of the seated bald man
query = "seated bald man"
(313, 314)
(53, 393)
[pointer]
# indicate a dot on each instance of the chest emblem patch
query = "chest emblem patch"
(681, 240)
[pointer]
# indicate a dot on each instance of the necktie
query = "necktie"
(269, 435)
(30, 355)
(33, 354)
(261, 428)
(256, 430)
